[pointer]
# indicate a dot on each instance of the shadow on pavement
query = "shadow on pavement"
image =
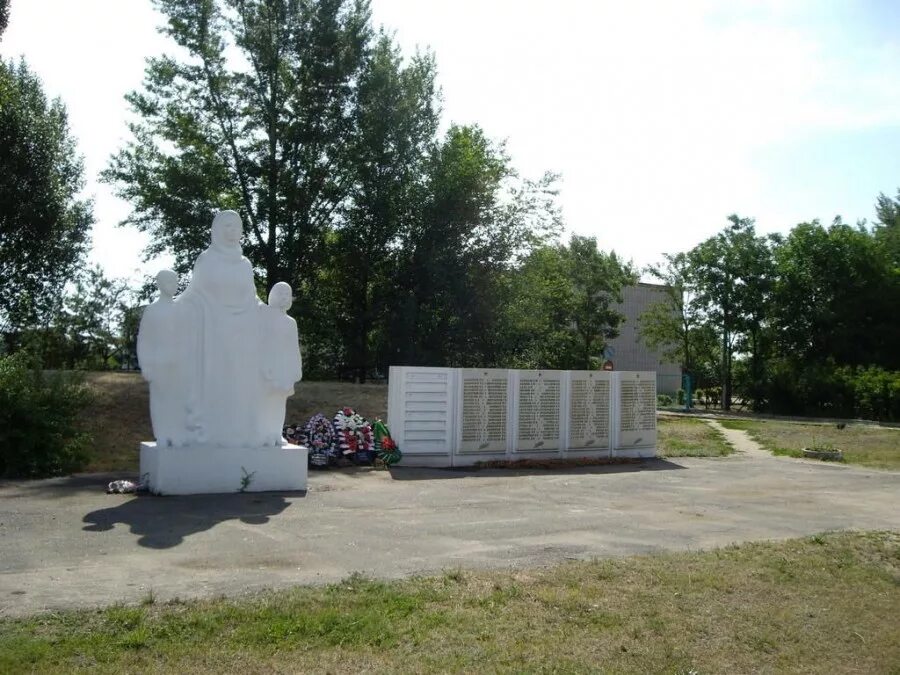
(164, 522)
(417, 473)
(63, 485)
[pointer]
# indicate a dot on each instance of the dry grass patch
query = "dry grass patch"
(119, 415)
(689, 437)
(118, 419)
(369, 400)
(821, 604)
(864, 444)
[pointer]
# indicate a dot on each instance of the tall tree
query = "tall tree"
(669, 325)
(434, 300)
(44, 226)
(88, 329)
(258, 118)
(396, 118)
(597, 281)
(754, 300)
(477, 217)
(4, 15)
(887, 228)
(563, 306)
(296, 114)
(836, 297)
(94, 313)
(726, 270)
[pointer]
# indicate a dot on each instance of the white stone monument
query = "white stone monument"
(460, 416)
(220, 365)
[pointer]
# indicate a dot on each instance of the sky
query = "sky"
(662, 117)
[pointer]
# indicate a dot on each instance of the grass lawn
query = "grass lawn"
(119, 417)
(876, 447)
(824, 604)
(689, 437)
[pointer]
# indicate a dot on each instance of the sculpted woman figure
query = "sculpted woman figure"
(225, 388)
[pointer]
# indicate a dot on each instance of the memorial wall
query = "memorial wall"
(539, 408)
(485, 400)
(589, 409)
(457, 417)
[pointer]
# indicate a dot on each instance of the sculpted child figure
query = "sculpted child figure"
(161, 355)
(281, 364)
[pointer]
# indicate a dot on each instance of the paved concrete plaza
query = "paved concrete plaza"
(65, 543)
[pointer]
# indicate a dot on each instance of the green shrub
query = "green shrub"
(679, 396)
(39, 434)
(663, 401)
(876, 392)
(700, 397)
(828, 390)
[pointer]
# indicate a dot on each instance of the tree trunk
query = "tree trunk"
(726, 371)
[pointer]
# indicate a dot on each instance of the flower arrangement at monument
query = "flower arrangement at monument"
(354, 436)
(317, 434)
(385, 446)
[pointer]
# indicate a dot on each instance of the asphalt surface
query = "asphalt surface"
(64, 543)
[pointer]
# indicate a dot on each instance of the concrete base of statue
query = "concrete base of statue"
(195, 470)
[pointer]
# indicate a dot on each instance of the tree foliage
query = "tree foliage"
(676, 327)
(4, 15)
(395, 124)
(259, 116)
(324, 137)
(44, 226)
(810, 317)
(472, 224)
(887, 228)
(732, 277)
(93, 327)
(404, 246)
(562, 308)
(835, 296)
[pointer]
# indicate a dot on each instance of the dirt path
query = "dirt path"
(741, 442)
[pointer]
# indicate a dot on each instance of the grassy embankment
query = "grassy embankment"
(689, 437)
(824, 604)
(119, 418)
(864, 444)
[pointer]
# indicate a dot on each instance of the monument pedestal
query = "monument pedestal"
(207, 470)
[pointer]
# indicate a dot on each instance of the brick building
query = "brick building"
(630, 351)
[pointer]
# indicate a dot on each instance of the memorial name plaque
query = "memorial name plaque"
(539, 410)
(484, 399)
(637, 410)
(589, 410)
